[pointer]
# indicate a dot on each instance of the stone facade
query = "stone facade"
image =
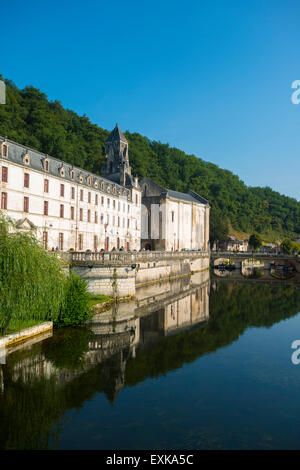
(67, 206)
(172, 220)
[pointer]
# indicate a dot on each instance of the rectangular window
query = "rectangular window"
(4, 201)
(118, 221)
(45, 240)
(113, 220)
(81, 194)
(89, 215)
(95, 242)
(102, 200)
(108, 202)
(61, 241)
(172, 216)
(26, 204)
(119, 206)
(4, 174)
(80, 241)
(81, 215)
(61, 212)
(102, 219)
(5, 151)
(96, 217)
(46, 186)
(26, 180)
(62, 190)
(45, 207)
(107, 219)
(96, 200)
(136, 199)
(128, 209)
(72, 192)
(89, 197)
(114, 204)
(72, 213)
(128, 223)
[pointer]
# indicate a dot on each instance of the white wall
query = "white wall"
(54, 224)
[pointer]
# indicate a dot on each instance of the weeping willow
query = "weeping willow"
(32, 281)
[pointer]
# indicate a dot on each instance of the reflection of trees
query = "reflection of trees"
(27, 413)
(31, 408)
(233, 308)
(67, 347)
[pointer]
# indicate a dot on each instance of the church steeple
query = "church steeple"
(116, 166)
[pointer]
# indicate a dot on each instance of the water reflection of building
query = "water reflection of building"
(117, 334)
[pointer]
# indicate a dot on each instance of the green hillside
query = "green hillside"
(31, 119)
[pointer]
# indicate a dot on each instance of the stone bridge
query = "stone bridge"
(264, 260)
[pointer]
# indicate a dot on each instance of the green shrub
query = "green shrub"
(75, 308)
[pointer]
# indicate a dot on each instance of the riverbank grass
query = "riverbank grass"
(17, 325)
(99, 299)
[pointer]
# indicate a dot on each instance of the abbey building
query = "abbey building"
(67, 206)
(70, 208)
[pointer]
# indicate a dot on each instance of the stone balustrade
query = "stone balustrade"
(127, 258)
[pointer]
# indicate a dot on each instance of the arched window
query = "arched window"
(46, 164)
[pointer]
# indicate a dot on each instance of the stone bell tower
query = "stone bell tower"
(116, 166)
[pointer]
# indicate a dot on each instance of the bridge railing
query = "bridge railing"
(110, 257)
(247, 254)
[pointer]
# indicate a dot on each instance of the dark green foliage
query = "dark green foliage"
(287, 246)
(67, 347)
(29, 118)
(255, 241)
(219, 226)
(75, 308)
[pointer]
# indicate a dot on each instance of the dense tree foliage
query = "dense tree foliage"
(255, 241)
(75, 307)
(287, 246)
(29, 118)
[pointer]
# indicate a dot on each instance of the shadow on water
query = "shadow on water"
(167, 326)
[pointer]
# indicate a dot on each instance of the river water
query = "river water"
(197, 363)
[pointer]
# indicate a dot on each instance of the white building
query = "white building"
(67, 206)
(172, 220)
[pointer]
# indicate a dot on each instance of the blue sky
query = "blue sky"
(212, 78)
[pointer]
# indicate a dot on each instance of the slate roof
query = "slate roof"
(16, 152)
(190, 196)
(116, 135)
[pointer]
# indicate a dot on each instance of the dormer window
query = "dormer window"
(114, 190)
(72, 174)
(4, 150)
(62, 172)
(80, 178)
(108, 188)
(102, 185)
(26, 159)
(96, 184)
(89, 180)
(46, 164)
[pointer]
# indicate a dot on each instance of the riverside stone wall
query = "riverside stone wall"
(119, 281)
